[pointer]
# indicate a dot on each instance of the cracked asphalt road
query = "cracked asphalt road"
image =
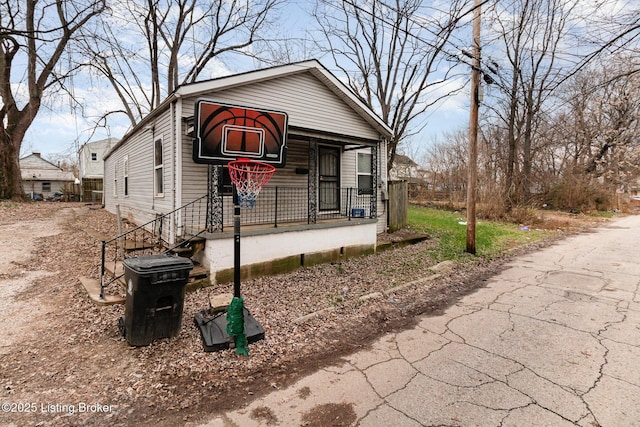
(553, 340)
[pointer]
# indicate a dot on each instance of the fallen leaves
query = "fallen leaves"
(77, 352)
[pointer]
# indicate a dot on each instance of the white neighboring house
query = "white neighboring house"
(404, 168)
(39, 176)
(91, 168)
(326, 200)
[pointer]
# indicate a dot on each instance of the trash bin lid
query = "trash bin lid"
(157, 263)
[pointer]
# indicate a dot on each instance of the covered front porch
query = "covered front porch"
(321, 182)
(323, 205)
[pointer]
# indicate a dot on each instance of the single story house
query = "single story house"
(330, 196)
(91, 168)
(40, 176)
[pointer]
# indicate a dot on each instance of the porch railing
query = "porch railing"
(163, 234)
(281, 205)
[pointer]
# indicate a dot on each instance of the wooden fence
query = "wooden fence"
(398, 205)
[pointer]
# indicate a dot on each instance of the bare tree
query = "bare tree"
(603, 121)
(392, 56)
(613, 28)
(446, 163)
(181, 39)
(34, 36)
(545, 44)
(586, 147)
(530, 33)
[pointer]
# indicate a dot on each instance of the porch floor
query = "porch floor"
(254, 229)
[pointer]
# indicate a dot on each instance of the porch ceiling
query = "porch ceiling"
(328, 137)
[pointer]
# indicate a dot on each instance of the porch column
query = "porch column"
(214, 200)
(374, 182)
(313, 180)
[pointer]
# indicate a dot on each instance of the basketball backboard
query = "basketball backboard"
(225, 132)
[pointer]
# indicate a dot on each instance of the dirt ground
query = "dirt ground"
(64, 362)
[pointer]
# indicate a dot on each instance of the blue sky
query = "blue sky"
(60, 129)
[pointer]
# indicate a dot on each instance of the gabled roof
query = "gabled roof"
(102, 143)
(313, 66)
(403, 160)
(251, 77)
(35, 161)
(33, 167)
(46, 175)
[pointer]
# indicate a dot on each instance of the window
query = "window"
(46, 187)
(365, 181)
(115, 180)
(125, 166)
(94, 157)
(158, 169)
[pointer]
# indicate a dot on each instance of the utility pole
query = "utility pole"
(472, 177)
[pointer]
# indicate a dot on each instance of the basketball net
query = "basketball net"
(249, 177)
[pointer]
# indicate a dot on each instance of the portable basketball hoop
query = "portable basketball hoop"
(251, 142)
(249, 177)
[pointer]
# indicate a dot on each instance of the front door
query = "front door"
(329, 178)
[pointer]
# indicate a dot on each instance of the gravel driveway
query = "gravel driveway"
(64, 362)
(16, 275)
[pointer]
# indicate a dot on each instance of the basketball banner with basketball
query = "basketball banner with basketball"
(225, 132)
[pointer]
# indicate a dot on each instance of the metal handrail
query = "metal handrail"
(155, 224)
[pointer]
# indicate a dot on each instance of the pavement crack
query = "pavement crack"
(507, 330)
(430, 353)
(567, 389)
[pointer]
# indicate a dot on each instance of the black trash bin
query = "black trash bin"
(155, 297)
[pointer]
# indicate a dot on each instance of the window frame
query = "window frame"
(361, 190)
(225, 186)
(158, 168)
(125, 175)
(115, 180)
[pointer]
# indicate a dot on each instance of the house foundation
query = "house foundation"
(267, 252)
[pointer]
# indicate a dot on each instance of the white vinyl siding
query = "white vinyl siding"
(142, 206)
(307, 101)
(115, 179)
(297, 158)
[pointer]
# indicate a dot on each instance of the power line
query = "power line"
(407, 32)
(455, 57)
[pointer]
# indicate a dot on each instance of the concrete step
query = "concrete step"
(192, 246)
(92, 286)
(198, 278)
(115, 268)
(183, 251)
